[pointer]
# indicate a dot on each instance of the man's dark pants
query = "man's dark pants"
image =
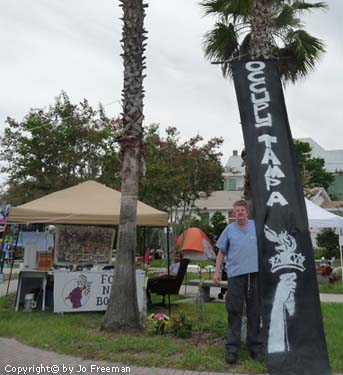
(242, 289)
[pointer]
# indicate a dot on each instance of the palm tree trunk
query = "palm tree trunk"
(261, 46)
(261, 36)
(122, 311)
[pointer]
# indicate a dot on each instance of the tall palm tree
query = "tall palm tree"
(252, 29)
(122, 311)
(248, 29)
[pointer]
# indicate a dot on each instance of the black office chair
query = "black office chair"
(168, 285)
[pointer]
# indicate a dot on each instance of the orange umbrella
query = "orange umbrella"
(195, 245)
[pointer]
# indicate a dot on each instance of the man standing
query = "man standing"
(238, 245)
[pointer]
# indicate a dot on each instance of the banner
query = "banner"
(292, 320)
(81, 244)
(88, 291)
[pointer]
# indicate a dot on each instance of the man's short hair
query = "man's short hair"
(241, 203)
(179, 253)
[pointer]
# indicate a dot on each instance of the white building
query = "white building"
(234, 173)
(333, 158)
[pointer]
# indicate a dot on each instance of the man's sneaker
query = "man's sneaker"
(257, 356)
(231, 358)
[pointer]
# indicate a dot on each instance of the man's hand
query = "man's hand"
(216, 278)
(219, 261)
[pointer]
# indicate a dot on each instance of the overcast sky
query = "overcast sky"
(74, 45)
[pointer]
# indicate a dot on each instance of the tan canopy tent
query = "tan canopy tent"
(88, 203)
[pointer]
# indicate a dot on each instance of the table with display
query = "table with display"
(72, 291)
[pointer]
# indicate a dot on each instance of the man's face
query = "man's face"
(177, 258)
(241, 213)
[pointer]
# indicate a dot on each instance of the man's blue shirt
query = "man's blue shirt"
(240, 249)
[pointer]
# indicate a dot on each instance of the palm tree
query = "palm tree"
(250, 29)
(124, 315)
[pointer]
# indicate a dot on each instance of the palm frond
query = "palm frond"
(302, 7)
(299, 56)
(297, 50)
(235, 9)
(220, 44)
(286, 18)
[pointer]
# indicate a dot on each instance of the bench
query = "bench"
(205, 286)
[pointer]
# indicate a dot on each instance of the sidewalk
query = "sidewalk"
(190, 292)
(12, 288)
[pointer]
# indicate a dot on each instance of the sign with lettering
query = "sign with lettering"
(88, 291)
(292, 319)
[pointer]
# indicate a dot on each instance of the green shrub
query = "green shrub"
(327, 239)
(181, 325)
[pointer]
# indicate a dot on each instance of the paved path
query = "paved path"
(331, 298)
(190, 291)
(12, 287)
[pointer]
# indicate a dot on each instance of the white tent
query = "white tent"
(320, 218)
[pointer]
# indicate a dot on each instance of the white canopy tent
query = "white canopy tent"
(320, 218)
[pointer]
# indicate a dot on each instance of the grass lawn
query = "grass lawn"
(79, 335)
(336, 288)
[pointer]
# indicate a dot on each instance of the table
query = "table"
(205, 286)
(73, 291)
(29, 280)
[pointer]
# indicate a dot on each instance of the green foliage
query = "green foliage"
(178, 171)
(56, 148)
(181, 325)
(312, 170)
(218, 224)
(327, 239)
(320, 253)
(296, 50)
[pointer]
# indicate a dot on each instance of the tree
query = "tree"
(125, 315)
(177, 172)
(252, 29)
(327, 239)
(56, 148)
(262, 29)
(312, 170)
(218, 224)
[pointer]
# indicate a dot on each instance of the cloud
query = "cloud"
(74, 45)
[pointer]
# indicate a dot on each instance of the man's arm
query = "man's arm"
(219, 262)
